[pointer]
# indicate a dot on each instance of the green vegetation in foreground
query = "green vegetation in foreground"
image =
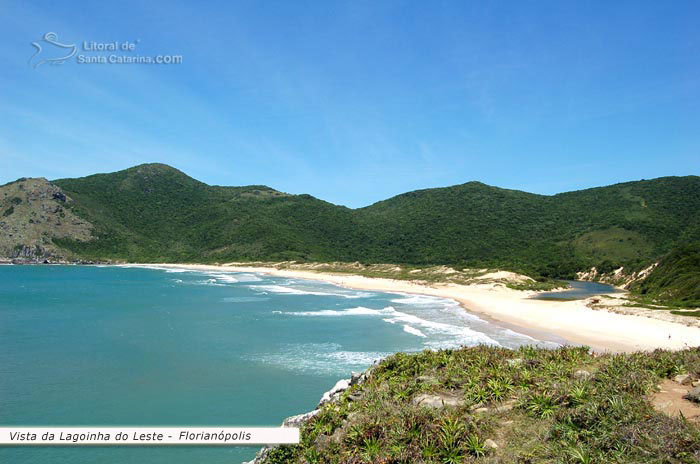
(675, 281)
(553, 414)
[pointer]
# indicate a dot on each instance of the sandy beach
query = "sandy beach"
(571, 322)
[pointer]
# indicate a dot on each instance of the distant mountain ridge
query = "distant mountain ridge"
(154, 212)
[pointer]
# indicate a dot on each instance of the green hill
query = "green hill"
(625, 224)
(676, 279)
(154, 212)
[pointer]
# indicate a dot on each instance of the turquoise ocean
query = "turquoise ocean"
(120, 345)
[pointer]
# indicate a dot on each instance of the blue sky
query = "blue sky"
(356, 101)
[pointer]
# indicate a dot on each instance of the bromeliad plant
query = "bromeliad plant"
(555, 414)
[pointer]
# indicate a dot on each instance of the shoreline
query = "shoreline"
(570, 322)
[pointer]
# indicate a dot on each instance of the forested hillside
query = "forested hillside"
(676, 279)
(157, 213)
(154, 212)
(627, 224)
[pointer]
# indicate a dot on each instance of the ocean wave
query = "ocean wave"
(413, 331)
(288, 290)
(233, 278)
(215, 279)
(223, 276)
(284, 290)
(444, 333)
(357, 358)
(153, 268)
(358, 311)
(319, 358)
(244, 299)
(212, 282)
(423, 300)
(443, 305)
(248, 278)
(457, 334)
(226, 278)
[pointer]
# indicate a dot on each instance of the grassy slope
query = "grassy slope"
(676, 279)
(556, 417)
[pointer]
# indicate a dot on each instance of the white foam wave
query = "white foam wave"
(445, 334)
(413, 331)
(355, 295)
(446, 306)
(244, 299)
(288, 290)
(319, 358)
(356, 358)
(213, 282)
(167, 269)
(234, 278)
(226, 278)
(285, 290)
(358, 311)
(459, 335)
(248, 278)
(423, 300)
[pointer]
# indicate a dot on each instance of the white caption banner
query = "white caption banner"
(147, 436)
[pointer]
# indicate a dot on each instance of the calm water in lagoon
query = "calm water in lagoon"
(134, 346)
(579, 290)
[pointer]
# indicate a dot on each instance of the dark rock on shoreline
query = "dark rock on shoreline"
(331, 396)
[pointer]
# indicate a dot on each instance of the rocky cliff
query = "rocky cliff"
(34, 212)
(331, 396)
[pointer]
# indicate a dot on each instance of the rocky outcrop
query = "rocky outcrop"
(620, 277)
(437, 401)
(489, 443)
(335, 392)
(331, 396)
(34, 212)
(693, 395)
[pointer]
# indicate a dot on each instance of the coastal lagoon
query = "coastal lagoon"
(579, 290)
(120, 345)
